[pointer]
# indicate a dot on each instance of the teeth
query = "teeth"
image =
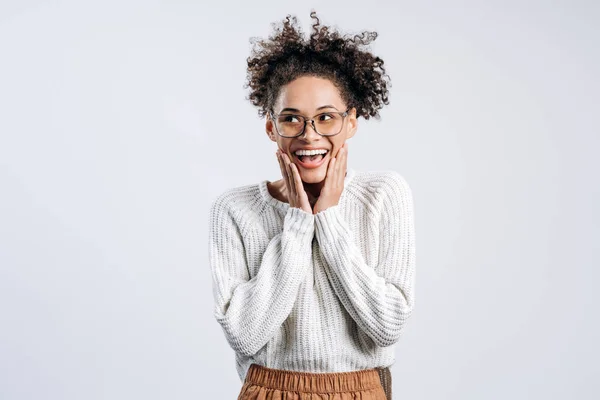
(310, 152)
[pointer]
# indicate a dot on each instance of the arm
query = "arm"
(380, 298)
(251, 310)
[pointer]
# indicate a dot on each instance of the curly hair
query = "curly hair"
(344, 59)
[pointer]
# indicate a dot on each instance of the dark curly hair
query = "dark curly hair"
(286, 55)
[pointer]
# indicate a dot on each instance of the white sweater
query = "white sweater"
(329, 292)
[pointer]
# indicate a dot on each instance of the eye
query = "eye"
(325, 117)
(288, 118)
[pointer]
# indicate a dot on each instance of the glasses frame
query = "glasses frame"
(342, 114)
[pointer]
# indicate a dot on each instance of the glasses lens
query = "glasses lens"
(289, 124)
(328, 123)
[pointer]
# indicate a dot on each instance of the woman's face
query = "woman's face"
(309, 96)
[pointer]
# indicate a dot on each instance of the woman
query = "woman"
(313, 274)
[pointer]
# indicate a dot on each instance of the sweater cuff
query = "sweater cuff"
(330, 224)
(300, 223)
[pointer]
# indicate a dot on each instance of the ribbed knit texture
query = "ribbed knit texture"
(329, 292)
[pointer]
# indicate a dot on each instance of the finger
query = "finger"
(330, 173)
(289, 185)
(282, 166)
(290, 177)
(279, 161)
(335, 176)
(342, 165)
(297, 179)
(345, 162)
(292, 182)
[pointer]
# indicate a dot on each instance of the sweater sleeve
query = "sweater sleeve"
(380, 298)
(250, 310)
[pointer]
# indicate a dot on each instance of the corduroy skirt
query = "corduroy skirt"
(264, 383)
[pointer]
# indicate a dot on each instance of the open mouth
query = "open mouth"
(311, 161)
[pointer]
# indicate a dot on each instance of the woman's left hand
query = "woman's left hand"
(334, 180)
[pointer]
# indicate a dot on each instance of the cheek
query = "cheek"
(336, 148)
(283, 143)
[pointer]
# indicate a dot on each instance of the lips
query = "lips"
(310, 164)
(309, 148)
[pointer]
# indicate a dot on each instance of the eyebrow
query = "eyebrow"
(296, 110)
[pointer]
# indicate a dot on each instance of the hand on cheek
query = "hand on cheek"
(334, 181)
(297, 196)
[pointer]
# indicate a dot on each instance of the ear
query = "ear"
(269, 128)
(352, 123)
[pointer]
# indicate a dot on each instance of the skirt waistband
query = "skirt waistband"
(330, 382)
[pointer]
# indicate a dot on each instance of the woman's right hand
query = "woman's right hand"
(296, 195)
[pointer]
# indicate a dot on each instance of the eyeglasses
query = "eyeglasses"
(329, 123)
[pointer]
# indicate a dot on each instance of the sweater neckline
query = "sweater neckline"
(264, 190)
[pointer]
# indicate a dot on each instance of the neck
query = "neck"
(313, 190)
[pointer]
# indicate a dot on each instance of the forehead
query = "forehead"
(308, 93)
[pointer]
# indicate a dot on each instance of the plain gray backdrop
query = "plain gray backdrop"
(121, 120)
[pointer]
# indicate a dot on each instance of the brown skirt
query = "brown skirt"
(264, 383)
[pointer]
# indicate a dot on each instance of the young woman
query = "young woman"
(313, 274)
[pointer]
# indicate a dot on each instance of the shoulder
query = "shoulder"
(383, 184)
(237, 200)
(387, 194)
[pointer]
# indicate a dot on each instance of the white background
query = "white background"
(120, 121)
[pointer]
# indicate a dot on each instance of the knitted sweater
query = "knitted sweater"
(329, 292)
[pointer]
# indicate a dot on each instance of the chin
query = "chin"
(313, 176)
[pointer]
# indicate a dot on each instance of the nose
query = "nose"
(309, 132)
